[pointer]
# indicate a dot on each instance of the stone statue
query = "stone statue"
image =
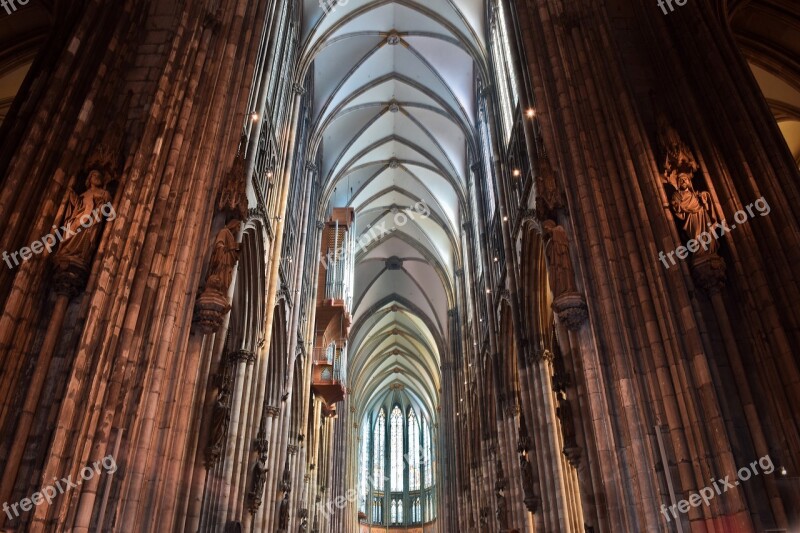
(564, 413)
(220, 420)
(530, 499)
(502, 517)
(694, 209)
(259, 481)
(527, 474)
(286, 481)
(82, 219)
(223, 258)
(283, 514)
(559, 264)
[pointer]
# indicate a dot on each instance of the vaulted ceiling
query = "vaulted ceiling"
(766, 31)
(394, 113)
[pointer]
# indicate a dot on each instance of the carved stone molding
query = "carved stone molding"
(242, 356)
(708, 272)
(512, 409)
(573, 455)
(209, 312)
(571, 310)
(257, 212)
(70, 279)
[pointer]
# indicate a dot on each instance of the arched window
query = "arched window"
(396, 484)
(505, 74)
(426, 454)
(397, 449)
(378, 450)
(413, 451)
(364, 488)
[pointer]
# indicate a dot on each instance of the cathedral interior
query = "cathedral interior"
(425, 266)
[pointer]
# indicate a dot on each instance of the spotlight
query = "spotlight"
(254, 116)
(783, 471)
(531, 112)
(516, 172)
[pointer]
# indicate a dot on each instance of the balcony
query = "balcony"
(329, 374)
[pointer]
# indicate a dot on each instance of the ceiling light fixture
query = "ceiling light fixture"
(516, 172)
(531, 112)
(254, 116)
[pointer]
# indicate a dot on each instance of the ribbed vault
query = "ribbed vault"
(394, 132)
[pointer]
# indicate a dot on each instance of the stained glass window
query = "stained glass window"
(396, 421)
(426, 453)
(413, 451)
(378, 450)
(396, 439)
(364, 466)
(506, 77)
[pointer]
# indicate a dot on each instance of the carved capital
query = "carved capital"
(272, 411)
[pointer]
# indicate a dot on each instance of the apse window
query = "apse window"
(405, 494)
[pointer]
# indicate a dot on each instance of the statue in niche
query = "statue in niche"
(564, 413)
(223, 258)
(527, 474)
(259, 481)
(694, 208)
(283, 514)
(502, 518)
(559, 264)
(82, 218)
(286, 480)
(220, 420)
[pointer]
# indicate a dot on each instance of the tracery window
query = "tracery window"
(378, 450)
(397, 449)
(365, 431)
(505, 74)
(413, 451)
(426, 454)
(396, 443)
